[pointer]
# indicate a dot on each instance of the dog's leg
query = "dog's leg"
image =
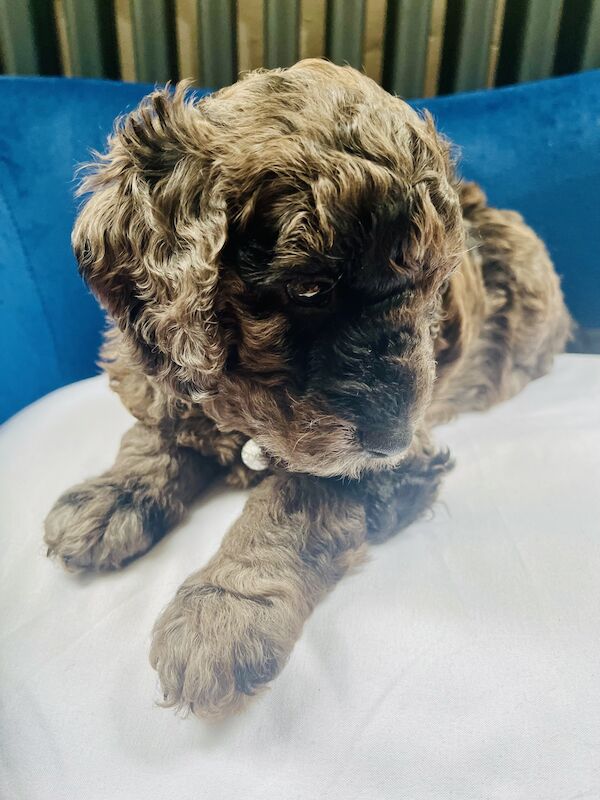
(104, 522)
(231, 626)
(393, 500)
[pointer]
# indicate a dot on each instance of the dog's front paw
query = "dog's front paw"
(213, 648)
(100, 525)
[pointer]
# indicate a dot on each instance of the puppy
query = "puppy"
(291, 260)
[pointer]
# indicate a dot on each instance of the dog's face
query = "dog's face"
(276, 252)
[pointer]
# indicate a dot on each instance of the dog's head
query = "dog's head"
(276, 252)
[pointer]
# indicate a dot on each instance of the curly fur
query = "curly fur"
(201, 214)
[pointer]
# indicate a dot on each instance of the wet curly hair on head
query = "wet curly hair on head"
(291, 262)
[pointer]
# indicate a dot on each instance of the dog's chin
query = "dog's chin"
(348, 464)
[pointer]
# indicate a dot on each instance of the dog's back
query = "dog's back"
(504, 314)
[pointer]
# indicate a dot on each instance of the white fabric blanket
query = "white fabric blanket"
(461, 662)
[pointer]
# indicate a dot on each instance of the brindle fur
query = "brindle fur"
(199, 213)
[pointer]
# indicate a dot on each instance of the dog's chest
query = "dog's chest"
(197, 431)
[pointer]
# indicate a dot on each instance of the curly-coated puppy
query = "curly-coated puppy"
(290, 260)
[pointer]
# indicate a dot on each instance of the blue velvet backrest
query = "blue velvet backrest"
(535, 148)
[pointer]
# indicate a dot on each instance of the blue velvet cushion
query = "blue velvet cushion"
(533, 147)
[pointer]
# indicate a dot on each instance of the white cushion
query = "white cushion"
(462, 661)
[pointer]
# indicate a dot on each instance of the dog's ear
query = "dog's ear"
(149, 238)
(436, 230)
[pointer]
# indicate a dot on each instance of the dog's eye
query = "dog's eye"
(310, 292)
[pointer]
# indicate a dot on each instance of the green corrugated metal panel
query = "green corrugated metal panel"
(477, 21)
(46, 37)
(17, 34)
(281, 22)
(539, 39)
(91, 37)
(529, 40)
(345, 29)
(28, 37)
(154, 40)
(579, 40)
(405, 49)
(538, 36)
(572, 36)
(591, 48)
(467, 45)
(218, 42)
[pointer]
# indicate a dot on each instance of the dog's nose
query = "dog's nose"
(385, 442)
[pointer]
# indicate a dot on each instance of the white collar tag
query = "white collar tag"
(254, 456)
